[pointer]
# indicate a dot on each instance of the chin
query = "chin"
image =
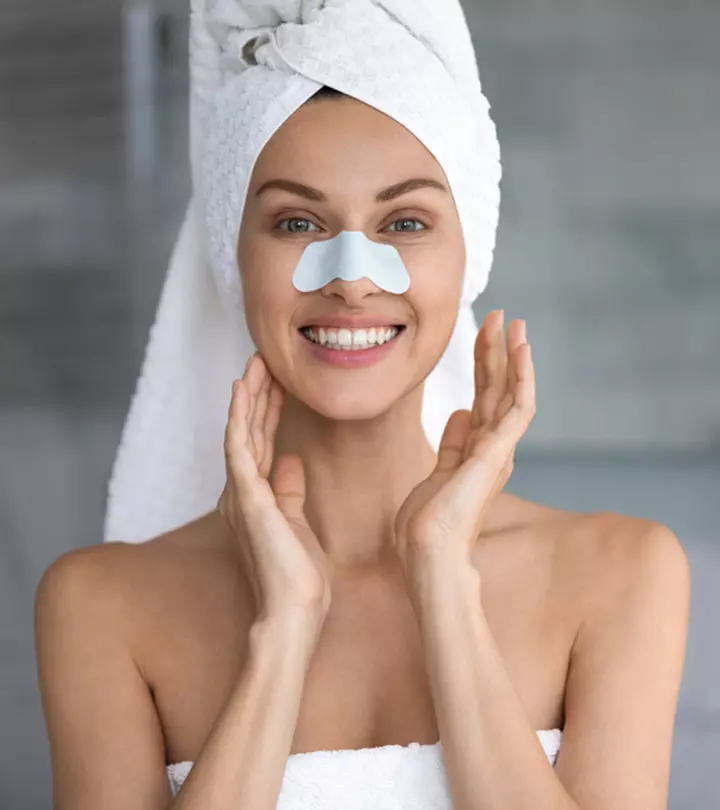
(348, 405)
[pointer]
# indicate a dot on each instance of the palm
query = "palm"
(475, 457)
(436, 505)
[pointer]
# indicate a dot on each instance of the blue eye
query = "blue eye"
(408, 230)
(295, 219)
(308, 227)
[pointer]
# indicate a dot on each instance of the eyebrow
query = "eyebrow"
(384, 195)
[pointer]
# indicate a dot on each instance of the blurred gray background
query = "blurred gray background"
(608, 114)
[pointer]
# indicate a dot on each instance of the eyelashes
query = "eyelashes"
(279, 224)
(410, 219)
(403, 220)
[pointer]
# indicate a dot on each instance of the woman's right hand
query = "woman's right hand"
(285, 563)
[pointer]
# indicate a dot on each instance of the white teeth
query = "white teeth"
(359, 337)
(351, 338)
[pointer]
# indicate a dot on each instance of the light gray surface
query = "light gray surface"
(608, 114)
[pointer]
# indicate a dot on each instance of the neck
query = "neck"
(357, 474)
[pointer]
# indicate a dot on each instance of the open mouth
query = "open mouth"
(352, 339)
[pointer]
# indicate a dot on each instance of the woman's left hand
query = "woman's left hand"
(440, 520)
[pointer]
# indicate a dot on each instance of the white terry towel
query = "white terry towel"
(253, 63)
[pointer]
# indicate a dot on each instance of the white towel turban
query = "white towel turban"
(253, 63)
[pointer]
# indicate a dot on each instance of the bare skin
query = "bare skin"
(366, 685)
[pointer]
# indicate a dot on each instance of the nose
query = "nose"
(352, 292)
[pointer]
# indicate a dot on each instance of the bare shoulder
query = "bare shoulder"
(146, 591)
(617, 555)
(134, 568)
(606, 561)
(598, 556)
(93, 611)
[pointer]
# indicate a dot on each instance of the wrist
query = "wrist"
(442, 584)
(291, 636)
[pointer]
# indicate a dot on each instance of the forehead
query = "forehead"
(340, 137)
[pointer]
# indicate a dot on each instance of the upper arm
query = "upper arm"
(105, 739)
(625, 674)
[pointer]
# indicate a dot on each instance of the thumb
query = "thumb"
(287, 480)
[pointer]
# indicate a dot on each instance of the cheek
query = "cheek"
(268, 294)
(434, 296)
(436, 279)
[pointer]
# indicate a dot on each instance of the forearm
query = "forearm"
(492, 755)
(244, 758)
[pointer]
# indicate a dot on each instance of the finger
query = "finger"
(257, 425)
(253, 380)
(237, 410)
(520, 413)
(522, 380)
(483, 372)
(234, 404)
(253, 375)
(276, 398)
(530, 373)
(490, 369)
(516, 337)
(525, 394)
(288, 485)
(248, 366)
(248, 380)
(452, 443)
(239, 462)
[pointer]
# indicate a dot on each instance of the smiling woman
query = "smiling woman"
(321, 596)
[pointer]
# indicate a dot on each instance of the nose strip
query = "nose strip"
(350, 256)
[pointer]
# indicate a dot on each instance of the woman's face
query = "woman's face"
(345, 154)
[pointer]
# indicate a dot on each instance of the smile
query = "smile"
(349, 348)
(344, 339)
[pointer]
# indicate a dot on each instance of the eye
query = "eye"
(304, 223)
(404, 222)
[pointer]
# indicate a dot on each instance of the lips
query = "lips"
(347, 357)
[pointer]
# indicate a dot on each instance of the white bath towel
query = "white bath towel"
(391, 777)
(253, 63)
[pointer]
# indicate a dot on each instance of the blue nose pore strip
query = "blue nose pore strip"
(350, 256)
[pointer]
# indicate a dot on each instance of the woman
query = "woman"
(361, 621)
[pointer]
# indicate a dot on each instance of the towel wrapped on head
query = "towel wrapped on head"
(252, 64)
(412, 60)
